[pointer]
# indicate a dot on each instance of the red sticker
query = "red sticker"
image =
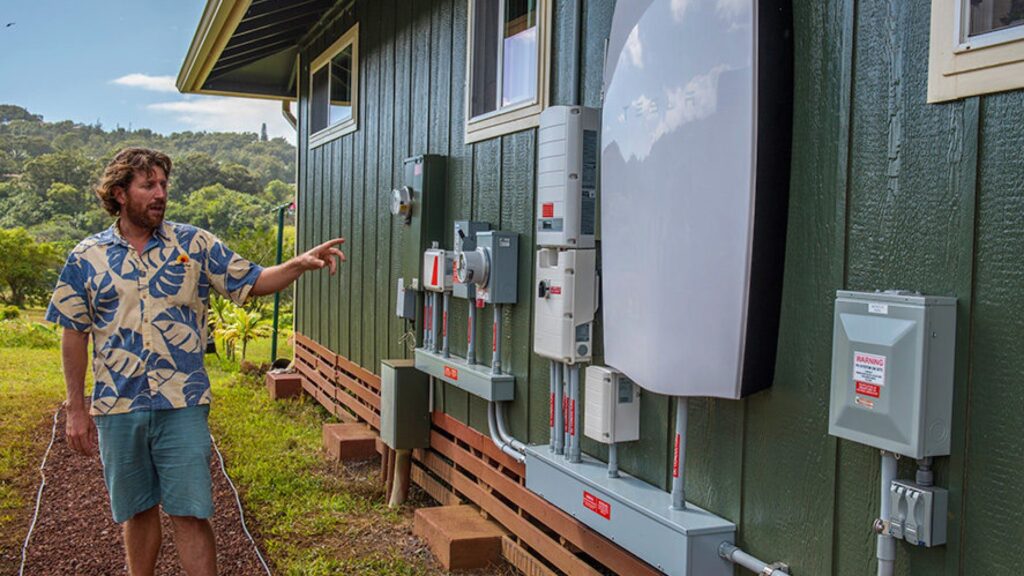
(433, 275)
(551, 417)
(572, 417)
(547, 210)
(675, 460)
(417, 169)
(555, 290)
(450, 372)
(868, 389)
(444, 325)
(494, 337)
(596, 505)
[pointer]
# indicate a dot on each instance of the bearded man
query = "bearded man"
(141, 289)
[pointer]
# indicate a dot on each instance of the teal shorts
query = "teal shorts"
(155, 457)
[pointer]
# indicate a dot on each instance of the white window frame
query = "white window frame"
(960, 66)
(351, 124)
(519, 116)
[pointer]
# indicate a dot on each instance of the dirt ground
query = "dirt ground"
(76, 535)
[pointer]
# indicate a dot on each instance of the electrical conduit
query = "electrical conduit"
(886, 544)
(733, 554)
(679, 456)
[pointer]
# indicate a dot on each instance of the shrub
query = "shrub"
(9, 312)
(21, 334)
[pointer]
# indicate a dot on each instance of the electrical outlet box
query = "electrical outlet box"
(567, 150)
(405, 301)
(404, 405)
(612, 410)
(493, 267)
(419, 205)
(437, 270)
(917, 513)
(565, 301)
(465, 241)
(892, 371)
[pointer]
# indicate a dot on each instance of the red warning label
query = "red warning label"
(555, 290)
(675, 459)
(596, 505)
(868, 389)
(547, 210)
(450, 372)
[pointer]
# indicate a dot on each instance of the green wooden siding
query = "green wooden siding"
(886, 192)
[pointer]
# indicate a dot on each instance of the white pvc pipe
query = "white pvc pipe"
(496, 437)
(733, 554)
(679, 456)
(503, 433)
(886, 550)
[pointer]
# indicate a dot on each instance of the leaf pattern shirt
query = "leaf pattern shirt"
(147, 313)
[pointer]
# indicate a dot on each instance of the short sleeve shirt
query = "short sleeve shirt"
(147, 313)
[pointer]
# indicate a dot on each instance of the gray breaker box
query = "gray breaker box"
(632, 513)
(476, 379)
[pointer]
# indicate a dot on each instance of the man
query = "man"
(141, 288)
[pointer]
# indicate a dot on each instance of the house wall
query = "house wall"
(886, 192)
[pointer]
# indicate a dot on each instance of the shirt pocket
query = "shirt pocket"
(188, 293)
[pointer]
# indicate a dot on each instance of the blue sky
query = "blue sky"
(115, 61)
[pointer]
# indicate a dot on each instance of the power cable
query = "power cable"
(39, 495)
(238, 500)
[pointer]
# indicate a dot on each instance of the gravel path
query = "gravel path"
(76, 535)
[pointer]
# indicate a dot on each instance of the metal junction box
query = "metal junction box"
(564, 304)
(404, 405)
(612, 409)
(917, 513)
(567, 151)
(477, 379)
(437, 270)
(465, 241)
(493, 267)
(892, 371)
(420, 206)
(632, 513)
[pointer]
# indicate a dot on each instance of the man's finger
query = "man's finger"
(75, 443)
(330, 243)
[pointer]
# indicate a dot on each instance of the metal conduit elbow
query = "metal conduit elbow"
(503, 432)
(732, 553)
(496, 437)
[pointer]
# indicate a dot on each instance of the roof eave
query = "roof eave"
(219, 21)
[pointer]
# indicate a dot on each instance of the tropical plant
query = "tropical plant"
(241, 327)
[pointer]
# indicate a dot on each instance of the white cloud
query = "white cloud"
(147, 82)
(222, 114)
(731, 9)
(634, 49)
(679, 9)
(644, 106)
(698, 99)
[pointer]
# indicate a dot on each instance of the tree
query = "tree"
(242, 326)
(192, 171)
(28, 269)
(222, 211)
(277, 192)
(263, 132)
(68, 167)
(64, 198)
(9, 112)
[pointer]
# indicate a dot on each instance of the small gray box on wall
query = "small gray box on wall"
(404, 405)
(892, 371)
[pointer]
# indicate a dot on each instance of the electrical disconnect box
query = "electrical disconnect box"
(404, 405)
(405, 301)
(419, 205)
(567, 152)
(437, 270)
(465, 241)
(493, 267)
(892, 371)
(564, 304)
(612, 409)
(917, 513)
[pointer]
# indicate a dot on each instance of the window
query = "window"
(977, 47)
(509, 51)
(334, 89)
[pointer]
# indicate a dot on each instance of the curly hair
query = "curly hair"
(122, 169)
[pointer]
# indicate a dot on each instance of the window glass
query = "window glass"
(341, 86)
(318, 94)
(519, 37)
(485, 57)
(986, 16)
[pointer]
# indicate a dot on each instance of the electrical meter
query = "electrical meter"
(564, 304)
(612, 410)
(567, 151)
(465, 241)
(892, 371)
(493, 267)
(419, 206)
(437, 270)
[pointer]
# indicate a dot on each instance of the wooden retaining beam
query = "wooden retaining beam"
(463, 465)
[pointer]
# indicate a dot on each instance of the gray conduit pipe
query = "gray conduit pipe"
(496, 344)
(551, 406)
(435, 324)
(496, 438)
(503, 433)
(574, 406)
(471, 336)
(444, 326)
(613, 460)
(679, 456)
(567, 414)
(886, 551)
(733, 554)
(557, 404)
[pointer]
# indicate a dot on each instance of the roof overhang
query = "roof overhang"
(248, 48)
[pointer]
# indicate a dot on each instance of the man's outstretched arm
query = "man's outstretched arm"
(80, 429)
(279, 277)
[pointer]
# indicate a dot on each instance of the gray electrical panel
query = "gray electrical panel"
(465, 241)
(404, 405)
(892, 371)
(493, 267)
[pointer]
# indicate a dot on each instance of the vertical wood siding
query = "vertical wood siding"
(886, 192)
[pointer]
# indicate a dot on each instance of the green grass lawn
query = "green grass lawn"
(314, 517)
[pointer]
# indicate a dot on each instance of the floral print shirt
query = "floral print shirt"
(147, 313)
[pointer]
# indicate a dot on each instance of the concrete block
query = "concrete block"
(284, 385)
(459, 537)
(345, 442)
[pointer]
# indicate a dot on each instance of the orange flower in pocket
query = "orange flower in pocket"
(182, 259)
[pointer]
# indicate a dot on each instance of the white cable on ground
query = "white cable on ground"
(238, 500)
(39, 495)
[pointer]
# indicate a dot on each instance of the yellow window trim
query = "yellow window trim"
(518, 117)
(349, 38)
(955, 71)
